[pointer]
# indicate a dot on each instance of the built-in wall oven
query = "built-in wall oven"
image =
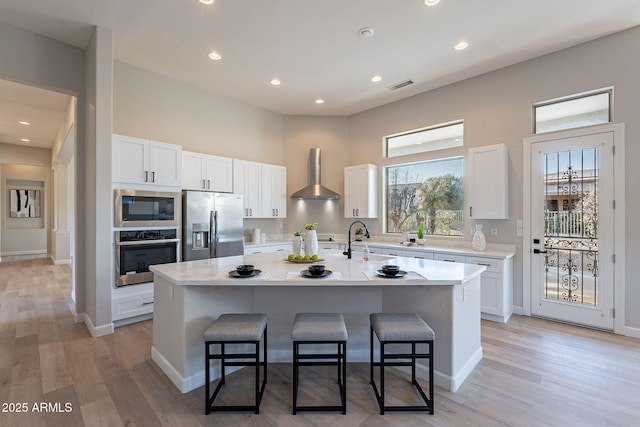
(136, 250)
(148, 229)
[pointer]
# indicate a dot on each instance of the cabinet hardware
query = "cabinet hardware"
(153, 176)
(203, 185)
(484, 263)
(146, 176)
(208, 184)
(147, 303)
(538, 251)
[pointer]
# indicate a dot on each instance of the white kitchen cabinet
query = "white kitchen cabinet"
(361, 191)
(496, 301)
(418, 254)
(274, 191)
(246, 181)
(487, 175)
(140, 161)
(207, 173)
(132, 301)
(393, 251)
(449, 257)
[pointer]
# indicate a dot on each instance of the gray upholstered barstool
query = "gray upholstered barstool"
(401, 328)
(236, 329)
(320, 328)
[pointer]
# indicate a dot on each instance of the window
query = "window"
(433, 138)
(430, 193)
(585, 109)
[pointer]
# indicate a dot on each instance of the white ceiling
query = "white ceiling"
(314, 48)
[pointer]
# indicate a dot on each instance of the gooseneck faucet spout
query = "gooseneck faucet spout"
(367, 235)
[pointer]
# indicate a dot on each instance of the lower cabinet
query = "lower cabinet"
(497, 288)
(132, 301)
(284, 248)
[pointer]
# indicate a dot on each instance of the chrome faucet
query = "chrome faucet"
(367, 235)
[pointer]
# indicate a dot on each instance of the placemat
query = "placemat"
(411, 275)
(295, 275)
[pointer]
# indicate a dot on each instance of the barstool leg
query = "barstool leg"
(295, 377)
(381, 378)
(207, 377)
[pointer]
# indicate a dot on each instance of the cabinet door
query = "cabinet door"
(130, 159)
(350, 192)
(487, 174)
(360, 191)
(246, 181)
(218, 174)
(165, 164)
(192, 171)
(393, 252)
(274, 199)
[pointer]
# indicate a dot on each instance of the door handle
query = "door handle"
(538, 251)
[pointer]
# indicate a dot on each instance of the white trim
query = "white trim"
(618, 130)
(631, 331)
(99, 330)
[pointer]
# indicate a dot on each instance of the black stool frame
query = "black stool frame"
(338, 359)
(237, 359)
(385, 361)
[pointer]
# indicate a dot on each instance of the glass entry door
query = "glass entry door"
(572, 230)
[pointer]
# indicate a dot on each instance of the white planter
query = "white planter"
(479, 243)
(311, 243)
(297, 245)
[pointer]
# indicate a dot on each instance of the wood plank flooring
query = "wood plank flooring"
(534, 373)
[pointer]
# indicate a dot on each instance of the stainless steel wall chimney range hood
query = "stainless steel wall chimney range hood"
(315, 190)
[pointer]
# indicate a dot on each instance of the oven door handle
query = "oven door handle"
(146, 242)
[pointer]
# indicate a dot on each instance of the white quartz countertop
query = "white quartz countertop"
(277, 271)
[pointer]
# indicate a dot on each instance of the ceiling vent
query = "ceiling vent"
(400, 84)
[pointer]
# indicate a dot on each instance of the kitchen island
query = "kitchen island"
(189, 296)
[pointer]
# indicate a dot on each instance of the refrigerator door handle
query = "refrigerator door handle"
(213, 221)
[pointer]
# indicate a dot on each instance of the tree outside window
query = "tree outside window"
(429, 193)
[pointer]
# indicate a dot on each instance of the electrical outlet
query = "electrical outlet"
(494, 231)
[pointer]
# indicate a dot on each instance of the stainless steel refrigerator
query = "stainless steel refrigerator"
(211, 225)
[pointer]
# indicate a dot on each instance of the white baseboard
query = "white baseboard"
(518, 310)
(97, 331)
(61, 261)
(630, 331)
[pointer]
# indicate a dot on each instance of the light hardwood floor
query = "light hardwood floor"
(534, 373)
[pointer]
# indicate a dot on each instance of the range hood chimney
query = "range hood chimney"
(315, 190)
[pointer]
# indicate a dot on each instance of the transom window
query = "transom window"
(430, 193)
(431, 138)
(574, 111)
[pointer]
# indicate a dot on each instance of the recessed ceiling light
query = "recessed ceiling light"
(215, 55)
(427, 2)
(24, 140)
(376, 78)
(366, 32)
(276, 82)
(319, 101)
(461, 45)
(206, 1)
(24, 123)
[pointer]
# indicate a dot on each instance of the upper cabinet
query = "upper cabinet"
(246, 181)
(207, 173)
(264, 188)
(360, 191)
(140, 161)
(487, 174)
(274, 191)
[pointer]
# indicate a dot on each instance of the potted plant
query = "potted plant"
(420, 234)
(359, 233)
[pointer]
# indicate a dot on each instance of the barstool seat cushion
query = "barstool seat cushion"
(319, 327)
(401, 327)
(237, 327)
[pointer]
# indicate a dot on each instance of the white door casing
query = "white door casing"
(610, 272)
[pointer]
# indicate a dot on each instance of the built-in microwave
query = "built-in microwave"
(135, 208)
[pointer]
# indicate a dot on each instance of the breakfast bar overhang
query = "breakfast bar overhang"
(189, 296)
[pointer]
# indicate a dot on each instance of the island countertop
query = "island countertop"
(188, 296)
(278, 271)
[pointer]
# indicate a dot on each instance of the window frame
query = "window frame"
(385, 139)
(560, 100)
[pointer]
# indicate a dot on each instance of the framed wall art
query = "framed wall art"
(24, 203)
